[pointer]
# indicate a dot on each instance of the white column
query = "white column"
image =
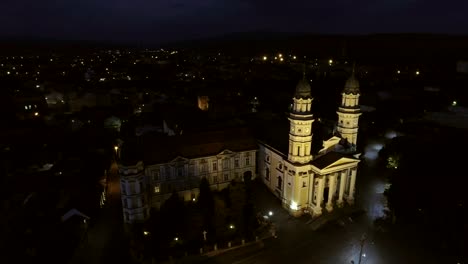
(342, 188)
(351, 186)
(318, 205)
(331, 191)
(311, 189)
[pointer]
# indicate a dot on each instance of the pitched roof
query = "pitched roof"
(327, 159)
(157, 150)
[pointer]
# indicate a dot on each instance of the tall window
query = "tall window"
(267, 173)
(247, 161)
(124, 189)
(215, 179)
(125, 203)
(226, 177)
(236, 163)
(203, 166)
(225, 164)
(280, 183)
(156, 175)
(140, 184)
(215, 166)
(180, 172)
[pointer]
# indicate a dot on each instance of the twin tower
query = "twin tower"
(301, 119)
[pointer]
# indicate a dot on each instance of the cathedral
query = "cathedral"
(303, 182)
(308, 184)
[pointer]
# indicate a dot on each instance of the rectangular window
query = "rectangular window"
(180, 172)
(123, 189)
(226, 177)
(215, 166)
(236, 163)
(157, 188)
(236, 175)
(215, 179)
(247, 161)
(125, 203)
(191, 170)
(156, 175)
(225, 164)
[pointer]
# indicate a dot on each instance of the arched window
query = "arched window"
(280, 183)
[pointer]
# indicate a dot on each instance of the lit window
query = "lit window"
(157, 188)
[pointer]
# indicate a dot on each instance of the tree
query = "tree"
(173, 212)
(206, 204)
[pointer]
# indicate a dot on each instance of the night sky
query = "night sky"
(159, 21)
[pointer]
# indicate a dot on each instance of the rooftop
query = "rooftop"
(161, 149)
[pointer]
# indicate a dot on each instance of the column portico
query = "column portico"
(342, 188)
(318, 206)
(352, 186)
(331, 191)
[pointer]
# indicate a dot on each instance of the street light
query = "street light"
(231, 226)
(270, 213)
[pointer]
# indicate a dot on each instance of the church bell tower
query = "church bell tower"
(349, 111)
(300, 120)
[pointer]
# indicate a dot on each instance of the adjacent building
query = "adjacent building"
(177, 164)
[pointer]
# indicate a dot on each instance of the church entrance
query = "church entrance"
(247, 176)
(325, 194)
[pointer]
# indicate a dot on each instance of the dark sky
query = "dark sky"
(159, 21)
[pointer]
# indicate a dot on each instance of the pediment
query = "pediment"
(226, 152)
(333, 161)
(341, 162)
(179, 159)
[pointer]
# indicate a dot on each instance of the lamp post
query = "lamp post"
(116, 148)
(363, 240)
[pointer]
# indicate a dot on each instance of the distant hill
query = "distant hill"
(373, 45)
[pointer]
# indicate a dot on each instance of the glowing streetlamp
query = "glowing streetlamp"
(231, 227)
(176, 239)
(270, 213)
(116, 148)
(265, 58)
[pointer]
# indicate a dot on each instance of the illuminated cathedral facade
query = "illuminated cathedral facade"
(308, 184)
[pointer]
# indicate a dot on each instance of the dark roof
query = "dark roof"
(327, 159)
(352, 85)
(303, 89)
(163, 149)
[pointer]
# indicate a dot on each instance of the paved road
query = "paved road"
(105, 235)
(333, 243)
